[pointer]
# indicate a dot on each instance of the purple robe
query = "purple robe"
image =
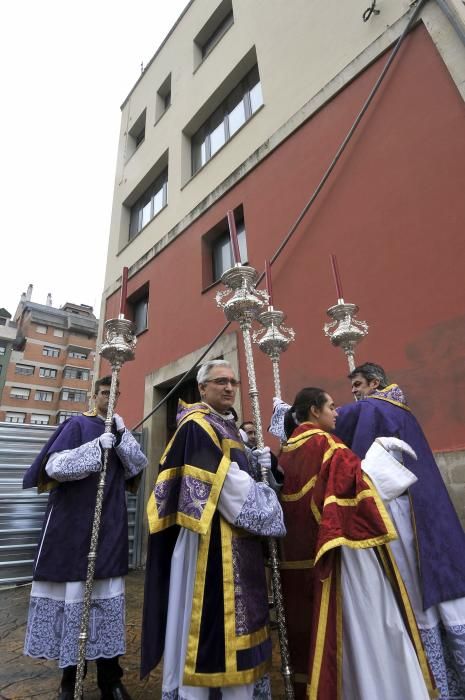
(440, 537)
(65, 539)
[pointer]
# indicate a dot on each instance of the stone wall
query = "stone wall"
(452, 468)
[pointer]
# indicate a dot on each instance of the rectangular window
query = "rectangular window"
(2, 349)
(47, 372)
(77, 355)
(24, 369)
(220, 30)
(240, 105)
(75, 373)
(213, 31)
(12, 417)
(221, 250)
(140, 311)
(58, 332)
(149, 204)
(63, 415)
(73, 395)
(43, 395)
(40, 419)
(41, 329)
(48, 351)
(17, 392)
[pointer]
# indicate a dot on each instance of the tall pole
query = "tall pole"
(117, 347)
(243, 305)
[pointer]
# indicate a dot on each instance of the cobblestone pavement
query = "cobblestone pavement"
(23, 678)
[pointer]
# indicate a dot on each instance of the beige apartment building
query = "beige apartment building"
(49, 373)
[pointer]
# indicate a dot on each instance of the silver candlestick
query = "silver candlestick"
(243, 306)
(273, 339)
(345, 331)
(117, 347)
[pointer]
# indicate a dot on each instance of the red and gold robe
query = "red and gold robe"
(328, 502)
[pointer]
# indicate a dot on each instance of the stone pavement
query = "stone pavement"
(23, 678)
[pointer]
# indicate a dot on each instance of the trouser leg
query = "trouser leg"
(109, 672)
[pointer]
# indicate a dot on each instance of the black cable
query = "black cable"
(315, 194)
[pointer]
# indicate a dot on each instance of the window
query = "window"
(163, 99)
(235, 111)
(41, 329)
(140, 314)
(58, 332)
(221, 250)
(17, 392)
(12, 417)
(75, 373)
(2, 349)
(43, 395)
(136, 135)
(63, 415)
(213, 31)
(217, 34)
(24, 369)
(149, 204)
(73, 395)
(47, 372)
(2, 321)
(77, 355)
(40, 419)
(48, 351)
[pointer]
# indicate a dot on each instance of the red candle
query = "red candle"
(124, 292)
(269, 286)
(233, 236)
(337, 279)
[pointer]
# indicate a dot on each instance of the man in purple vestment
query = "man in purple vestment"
(68, 467)
(431, 545)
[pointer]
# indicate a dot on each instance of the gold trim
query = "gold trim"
(353, 544)
(299, 494)
(381, 508)
(332, 449)
(297, 564)
(299, 440)
(187, 470)
(91, 414)
(247, 641)
(348, 501)
(320, 638)
(315, 511)
(216, 680)
(393, 401)
(197, 604)
(228, 597)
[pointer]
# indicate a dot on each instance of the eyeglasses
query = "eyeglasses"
(105, 392)
(223, 381)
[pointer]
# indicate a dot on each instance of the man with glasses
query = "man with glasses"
(69, 466)
(206, 600)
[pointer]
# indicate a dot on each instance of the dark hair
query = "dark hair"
(103, 381)
(371, 371)
(246, 422)
(298, 412)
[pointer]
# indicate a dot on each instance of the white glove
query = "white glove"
(107, 440)
(263, 457)
(396, 446)
(119, 422)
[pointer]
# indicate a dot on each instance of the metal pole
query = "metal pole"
(118, 347)
(243, 306)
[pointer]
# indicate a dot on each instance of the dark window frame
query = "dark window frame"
(136, 219)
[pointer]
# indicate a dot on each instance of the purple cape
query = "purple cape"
(440, 537)
(65, 539)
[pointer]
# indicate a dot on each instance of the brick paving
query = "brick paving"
(23, 678)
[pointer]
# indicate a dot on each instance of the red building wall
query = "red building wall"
(393, 212)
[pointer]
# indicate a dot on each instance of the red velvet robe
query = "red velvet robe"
(327, 502)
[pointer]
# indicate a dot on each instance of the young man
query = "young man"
(206, 601)
(431, 545)
(69, 466)
(248, 428)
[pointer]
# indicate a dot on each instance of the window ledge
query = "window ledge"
(161, 115)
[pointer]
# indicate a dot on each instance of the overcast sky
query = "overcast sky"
(65, 69)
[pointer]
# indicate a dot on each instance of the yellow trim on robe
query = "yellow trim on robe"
(332, 449)
(348, 501)
(315, 511)
(312, 688)
(299, 494)
(297, 564)
(247, 641)
(297, 441)
(393, 401)
(228, 596)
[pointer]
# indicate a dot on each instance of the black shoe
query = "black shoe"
(117, 691)
(66, 695)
